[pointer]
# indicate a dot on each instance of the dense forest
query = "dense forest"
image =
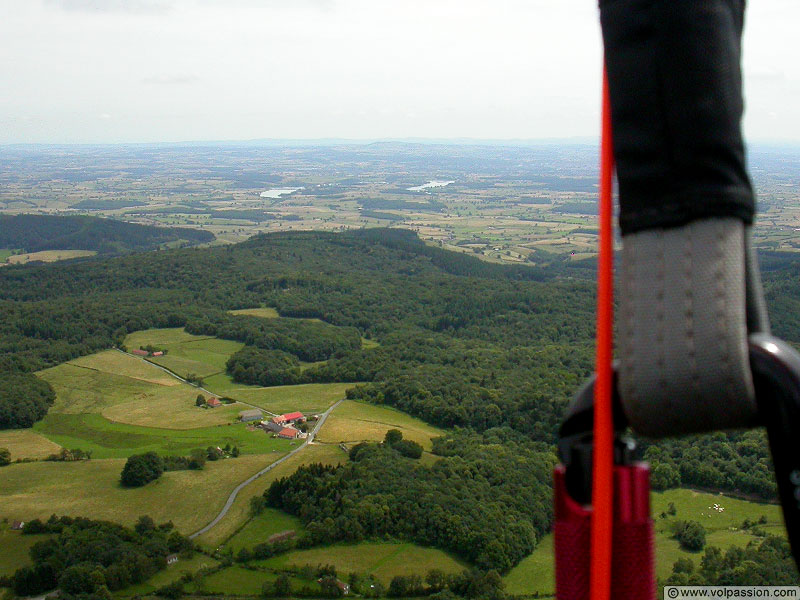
(486, 499)
(32, 233)
(495, 351)
(88, 559)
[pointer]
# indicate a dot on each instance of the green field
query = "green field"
(535, 573)
(206, 357)
(25, 443)
(185, 353)
(117, 363)
(116, 405)
(161, 337)
(49, 256)
(259, 528)
(264, 313)
(234, 581)
(128, 390)
(4, 254)
(723, 529)
(118, 440)
(190, 499)
(383, 560)
(358, 421)
(11, 561)
(308, 398)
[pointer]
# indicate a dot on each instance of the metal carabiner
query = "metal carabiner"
(776, 376)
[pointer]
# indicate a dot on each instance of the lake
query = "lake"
(430, 184)
(278, 192)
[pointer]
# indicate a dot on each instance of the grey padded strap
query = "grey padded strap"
(684, 364)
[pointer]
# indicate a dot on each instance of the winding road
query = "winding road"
(266, 469)
(229, 502)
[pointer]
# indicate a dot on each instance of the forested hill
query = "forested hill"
(33, 233)
(463, 343)
(462, 333)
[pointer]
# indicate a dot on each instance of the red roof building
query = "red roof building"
(293, 417)
(213, 402)
(138, 352)
(159, 353)
(289, 433)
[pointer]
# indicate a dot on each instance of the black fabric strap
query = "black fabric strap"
(676, 100)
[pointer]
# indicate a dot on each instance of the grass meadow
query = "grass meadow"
(384, 560)
(259, 528)
(358, 421)
(48, 256)
(308, 398)
(26, 443)
(116, 405)
(233, 581)
(185, 353)
(189, 499)
(133, 401)
(723, 529)
(535, 573)
(11, 561)
(117, 363)
(264, 313)
(118, 440)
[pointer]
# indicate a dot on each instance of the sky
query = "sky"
(97, 71)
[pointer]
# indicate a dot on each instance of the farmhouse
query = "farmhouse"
(138, 352)
(251, 415)
(289, 418)
(172, 559)
(159, 353)
(289, 433)
(17, 525)
(213, 402)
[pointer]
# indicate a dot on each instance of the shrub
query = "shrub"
(141, 469)
(690, 535)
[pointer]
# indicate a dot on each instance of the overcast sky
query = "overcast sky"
(174, 70)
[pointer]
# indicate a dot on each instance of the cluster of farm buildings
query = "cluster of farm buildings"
(283, 426)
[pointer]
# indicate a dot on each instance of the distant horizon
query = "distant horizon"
(356, 141)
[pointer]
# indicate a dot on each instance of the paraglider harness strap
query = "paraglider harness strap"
(596, 458)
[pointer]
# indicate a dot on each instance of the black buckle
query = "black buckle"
(775, 366)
